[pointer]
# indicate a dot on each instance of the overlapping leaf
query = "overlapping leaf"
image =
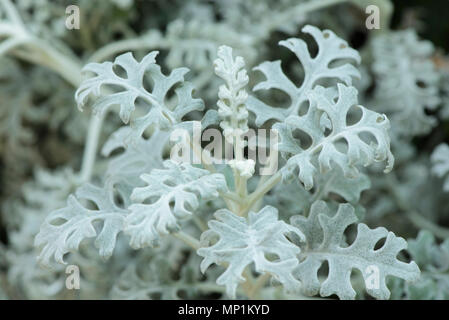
(140, 155)
(132, 87)
(406, 80)
(334, 182)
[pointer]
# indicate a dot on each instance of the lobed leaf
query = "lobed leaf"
(64, 229)
(171, 193)
(331, 49)
(325, 242)
(132, 87)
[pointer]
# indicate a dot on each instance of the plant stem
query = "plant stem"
(71, 71)
(148, 41)
(207, 163)
(302, 9)
(68, 68)
(247, 286)
(11, 43)
(199, 223)
(188, 239)
(42, 53)
(231, 196)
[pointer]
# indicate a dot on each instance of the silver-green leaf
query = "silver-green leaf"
(331, 49)
(334, 141)
(244, 241)
(171, 193)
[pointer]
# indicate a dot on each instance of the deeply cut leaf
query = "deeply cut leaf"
(245, 241)
(132, 88)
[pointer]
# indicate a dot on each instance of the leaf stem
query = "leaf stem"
(302, 9)
(231, 196)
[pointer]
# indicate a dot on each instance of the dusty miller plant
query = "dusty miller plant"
(241, 237)
(107, 194)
